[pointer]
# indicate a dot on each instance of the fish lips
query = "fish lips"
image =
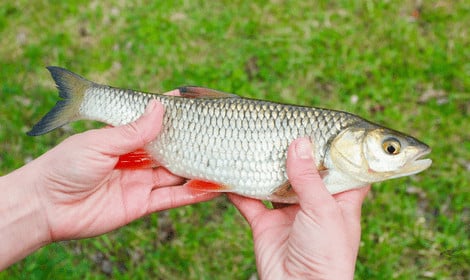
(420, 162)
(416, 164)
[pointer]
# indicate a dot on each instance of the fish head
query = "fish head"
(373, 154)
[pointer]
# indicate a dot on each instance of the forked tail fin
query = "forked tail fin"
(72, 89)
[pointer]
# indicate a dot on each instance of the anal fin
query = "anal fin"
(138, 159)
(202, 185)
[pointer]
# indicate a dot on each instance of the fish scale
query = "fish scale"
(239, 144)
(249, 126)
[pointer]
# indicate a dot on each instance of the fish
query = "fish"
(222, 142)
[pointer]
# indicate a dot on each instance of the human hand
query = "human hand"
(316, 239)
(83, 195)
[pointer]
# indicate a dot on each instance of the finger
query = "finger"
(250, 208)
(351, 202)
(127, 138)
(304, 177)
(163, 178)
(176, 196)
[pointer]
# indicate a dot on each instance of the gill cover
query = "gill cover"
(346, 152)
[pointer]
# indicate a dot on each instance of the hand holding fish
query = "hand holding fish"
(73, 191)
(317, 239)
(110, 198)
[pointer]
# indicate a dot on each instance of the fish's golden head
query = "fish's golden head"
(375, 154)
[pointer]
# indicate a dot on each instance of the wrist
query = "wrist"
(23, 222)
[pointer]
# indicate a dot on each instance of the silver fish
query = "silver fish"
(223, 142)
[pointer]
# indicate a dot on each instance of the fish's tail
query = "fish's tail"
(72, 88)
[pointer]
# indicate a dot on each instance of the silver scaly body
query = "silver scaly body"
(241, 143)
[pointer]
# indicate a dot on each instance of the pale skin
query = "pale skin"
(73, 192)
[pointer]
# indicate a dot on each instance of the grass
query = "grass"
(371, 58)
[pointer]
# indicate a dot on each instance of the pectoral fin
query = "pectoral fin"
(283, 195)
(285, 190)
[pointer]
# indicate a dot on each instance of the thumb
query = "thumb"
(130, 137)
(304, 177)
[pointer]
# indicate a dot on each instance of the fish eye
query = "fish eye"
(391, 146)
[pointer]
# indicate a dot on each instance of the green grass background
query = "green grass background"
(372, 58)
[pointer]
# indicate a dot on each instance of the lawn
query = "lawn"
(402, 64)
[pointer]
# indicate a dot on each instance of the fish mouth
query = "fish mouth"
(416, 164)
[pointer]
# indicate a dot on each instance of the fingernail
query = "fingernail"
(304, 149)
(150, 107)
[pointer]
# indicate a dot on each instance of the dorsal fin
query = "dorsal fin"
(202, 92)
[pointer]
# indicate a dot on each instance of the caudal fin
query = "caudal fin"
(72, 89)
